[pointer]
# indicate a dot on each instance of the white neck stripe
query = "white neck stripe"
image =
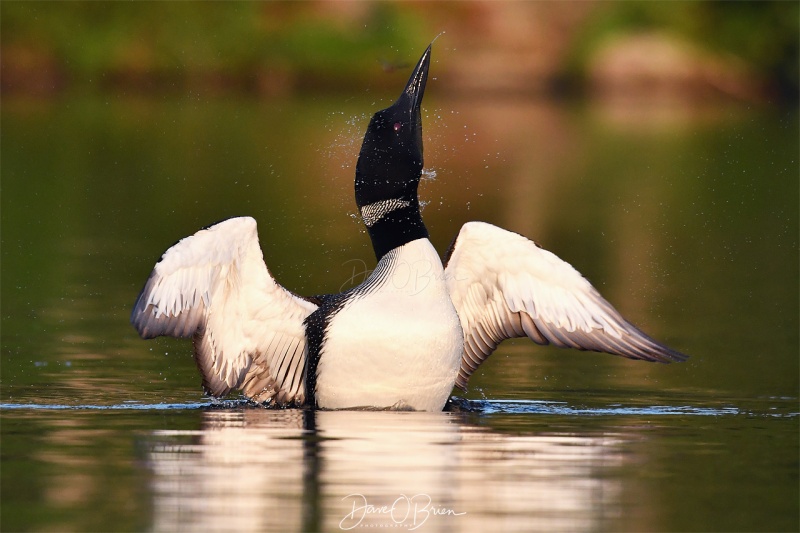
(375, 211)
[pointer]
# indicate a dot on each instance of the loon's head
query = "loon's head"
(390, 164)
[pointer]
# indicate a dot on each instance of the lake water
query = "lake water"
(684, 217)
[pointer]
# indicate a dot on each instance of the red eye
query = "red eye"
(397, 126)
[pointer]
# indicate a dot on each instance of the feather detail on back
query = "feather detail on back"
(504, 286)
(247, 330)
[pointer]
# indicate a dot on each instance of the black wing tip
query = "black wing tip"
(667, 355)
(654, 350)
(647, 349)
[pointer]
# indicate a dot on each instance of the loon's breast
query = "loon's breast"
(396, 340)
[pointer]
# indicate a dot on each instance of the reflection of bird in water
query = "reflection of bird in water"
(404, 337)
(317, 470)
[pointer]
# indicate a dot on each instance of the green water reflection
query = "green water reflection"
(685, 219)
(257, 470)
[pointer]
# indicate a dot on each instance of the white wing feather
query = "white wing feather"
(504, 285)
(248, 330)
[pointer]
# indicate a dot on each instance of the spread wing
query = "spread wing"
(504, 285)
(247, 330)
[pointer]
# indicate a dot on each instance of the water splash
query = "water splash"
(547, 407)
(347, 141)
(484, 407)
(131, 406)
(428, 174)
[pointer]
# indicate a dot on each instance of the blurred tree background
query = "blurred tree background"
(743, 50)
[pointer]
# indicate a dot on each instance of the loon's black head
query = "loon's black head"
(390, 166)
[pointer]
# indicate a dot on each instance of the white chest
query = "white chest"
(398, 342)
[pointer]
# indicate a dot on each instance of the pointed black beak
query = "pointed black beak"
(391, 158)
(411, 98)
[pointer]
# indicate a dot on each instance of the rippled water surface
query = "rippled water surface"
(685, 219)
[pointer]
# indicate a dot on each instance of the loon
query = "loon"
(414, 329)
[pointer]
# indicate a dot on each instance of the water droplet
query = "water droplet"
(428, 174)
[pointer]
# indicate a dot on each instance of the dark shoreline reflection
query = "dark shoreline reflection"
(291, 470)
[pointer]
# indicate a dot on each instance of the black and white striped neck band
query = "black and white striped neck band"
(375, 211)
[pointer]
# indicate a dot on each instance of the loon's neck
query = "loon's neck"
(396, 227)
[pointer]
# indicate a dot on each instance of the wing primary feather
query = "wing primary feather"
(296, 370)
(530, 329)
(283, 371)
